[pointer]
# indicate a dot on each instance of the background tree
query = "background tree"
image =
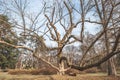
(8, 54)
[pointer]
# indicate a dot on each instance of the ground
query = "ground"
(90, 76)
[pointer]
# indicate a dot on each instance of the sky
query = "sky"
(35, 7)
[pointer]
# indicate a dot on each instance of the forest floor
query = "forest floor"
(87, 76)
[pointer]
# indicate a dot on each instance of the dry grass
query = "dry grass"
(92, 70)
(32, 71)
(85, 76)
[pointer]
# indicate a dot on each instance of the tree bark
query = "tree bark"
(62, 68)
(111, 67)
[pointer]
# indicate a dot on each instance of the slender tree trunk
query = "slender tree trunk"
(111, 68)
(111, 65)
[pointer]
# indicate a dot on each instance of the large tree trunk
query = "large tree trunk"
(111, 68)
(62, 68)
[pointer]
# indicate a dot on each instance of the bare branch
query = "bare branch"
(99, 36)
(70, 13)
(39, 58)
(95, 64)
(3, 42)
(54, 27)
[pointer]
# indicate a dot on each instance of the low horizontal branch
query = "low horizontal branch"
(24, 47)
(104, 59)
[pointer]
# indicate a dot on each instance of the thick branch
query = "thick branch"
(46, 62)
(65, 42)
(83, 19)
(90, 46)
(54, 27)
(95, 64)
(107, 57)
(3, 42)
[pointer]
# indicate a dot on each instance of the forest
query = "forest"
(67, 39)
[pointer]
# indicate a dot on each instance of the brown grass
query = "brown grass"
(43, 75)
(92, 70)
(88, 76)
(32, 71)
